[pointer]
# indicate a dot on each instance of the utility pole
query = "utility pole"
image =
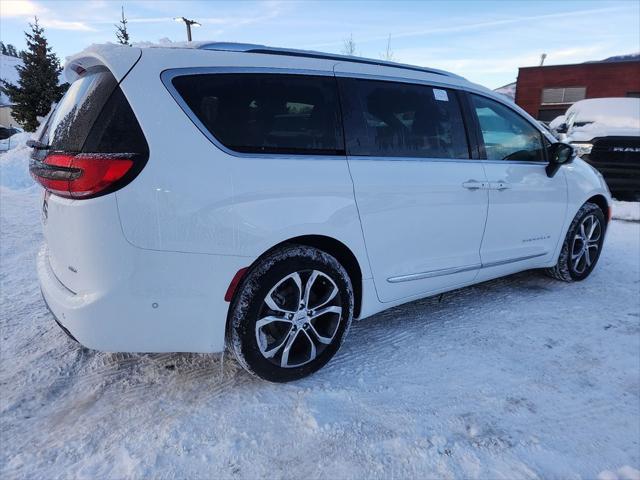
(188, 23)
(542, 58)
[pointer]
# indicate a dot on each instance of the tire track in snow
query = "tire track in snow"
(477, 386)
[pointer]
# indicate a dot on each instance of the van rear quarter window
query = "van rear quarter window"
(266, 113)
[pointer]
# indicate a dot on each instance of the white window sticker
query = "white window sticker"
(440, 95)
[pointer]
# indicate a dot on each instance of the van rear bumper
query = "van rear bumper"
(171, 302)
(62, 327)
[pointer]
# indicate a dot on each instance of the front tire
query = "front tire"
(291, 313)
(582, 245)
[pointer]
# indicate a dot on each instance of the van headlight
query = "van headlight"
(582, 148)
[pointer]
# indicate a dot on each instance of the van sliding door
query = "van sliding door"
(421, 199)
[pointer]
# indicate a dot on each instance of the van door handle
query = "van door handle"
(473, 185)
(500, 185)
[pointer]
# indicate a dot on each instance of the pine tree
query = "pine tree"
(121, 30)
(38, 85)
(11, 51)
(8, 49)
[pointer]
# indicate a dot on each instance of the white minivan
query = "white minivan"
(258, 199)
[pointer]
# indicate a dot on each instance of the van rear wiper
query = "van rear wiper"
(37, 145)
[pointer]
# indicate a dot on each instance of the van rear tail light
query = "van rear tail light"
(81, 175)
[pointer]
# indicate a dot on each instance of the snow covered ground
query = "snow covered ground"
(522, 377)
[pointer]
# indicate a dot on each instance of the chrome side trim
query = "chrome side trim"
(359, 158)
(451, 271)
(513, 260)
(432, 273)
(452, 83)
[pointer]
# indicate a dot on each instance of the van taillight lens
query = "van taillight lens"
(80, 175)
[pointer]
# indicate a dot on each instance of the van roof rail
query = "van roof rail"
(292, 52)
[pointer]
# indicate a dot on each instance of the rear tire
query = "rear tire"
(582, 245)
(290, 314)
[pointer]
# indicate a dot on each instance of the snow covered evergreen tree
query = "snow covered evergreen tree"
(8, 49)
(38, 86)
(121, 30)
(11, 51)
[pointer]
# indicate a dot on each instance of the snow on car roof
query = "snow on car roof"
(613, 112)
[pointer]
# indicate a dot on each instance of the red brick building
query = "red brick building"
(546, 92)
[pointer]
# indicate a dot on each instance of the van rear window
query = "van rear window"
(74, 116)
(94, 116)
(266, 113)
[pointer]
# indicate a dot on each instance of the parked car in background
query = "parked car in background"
(8, 138)
(545, 125)
(261, 198)
(606, 134)
(554, 124)
(6, 132)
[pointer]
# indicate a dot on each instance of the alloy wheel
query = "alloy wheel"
(586, 244)
(299, 318)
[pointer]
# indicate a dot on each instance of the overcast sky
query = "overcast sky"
(483, 41)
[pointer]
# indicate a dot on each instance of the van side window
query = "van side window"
(506, 135)
(390, 119)
(267, 113)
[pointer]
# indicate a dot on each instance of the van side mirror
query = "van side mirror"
(559, 154)
(562, 128)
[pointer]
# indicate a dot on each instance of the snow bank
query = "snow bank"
(626, 211)
(14, 141)
(14, 164)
